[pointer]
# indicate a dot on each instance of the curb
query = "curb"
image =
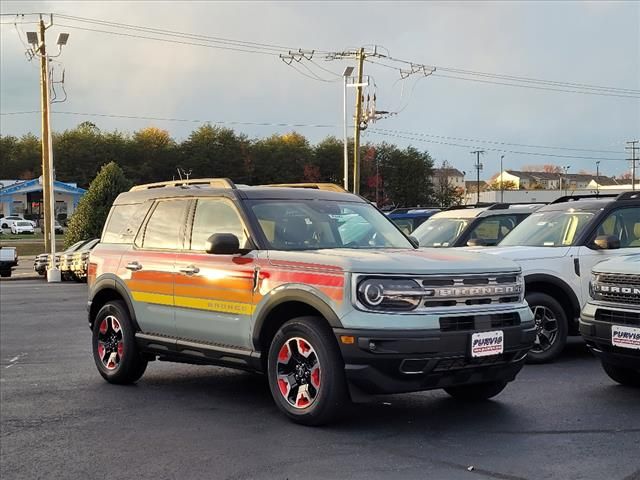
(26, 277)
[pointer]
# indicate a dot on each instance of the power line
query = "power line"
(167, 40)
(475, 140)
(220, 122)
(381, 131)
(536, 87)
(418, 139)
(173, 33)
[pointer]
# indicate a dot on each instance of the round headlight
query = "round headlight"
(389, 294)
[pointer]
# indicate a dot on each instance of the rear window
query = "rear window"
(124, 222)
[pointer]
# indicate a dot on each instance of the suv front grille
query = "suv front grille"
(618, 317)
(477, 322)
(471, 290)
(616, 288)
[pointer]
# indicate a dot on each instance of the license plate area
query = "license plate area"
(625, 337)
(486, 344)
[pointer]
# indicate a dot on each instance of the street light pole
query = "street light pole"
(598, 177)
(501, 181)
(345, 75)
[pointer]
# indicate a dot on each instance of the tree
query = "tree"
(279, 159)
(446, 194)
(212, 151)
(20, 158)
(152, 156)
(328, 157)
(507, 185)
(548, 168)
(91, 213)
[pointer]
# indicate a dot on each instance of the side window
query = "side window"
(215, 216)
(124, 222)
(624, 224)
(166, 226)
(493, 229)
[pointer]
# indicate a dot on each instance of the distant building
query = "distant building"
(452, 176)
(471, 186)
(551, 181)
(24, 197)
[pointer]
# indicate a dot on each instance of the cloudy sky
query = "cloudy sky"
(596, 43)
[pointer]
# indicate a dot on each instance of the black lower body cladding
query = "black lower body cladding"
(597, 335)
(396, 361)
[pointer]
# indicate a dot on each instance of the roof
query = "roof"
(605, 181)
(449, 172)
(577, 177)
(239, 191)
(36, 185)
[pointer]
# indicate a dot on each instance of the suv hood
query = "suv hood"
(397, 261)
(520, 254)
(626, 265)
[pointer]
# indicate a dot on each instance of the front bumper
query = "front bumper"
(396, 361)
(597, 333)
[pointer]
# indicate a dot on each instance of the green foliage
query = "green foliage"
(446, 194)
(389, 175)
(91, 214)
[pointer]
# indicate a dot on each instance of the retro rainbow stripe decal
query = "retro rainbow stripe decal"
(227, 286)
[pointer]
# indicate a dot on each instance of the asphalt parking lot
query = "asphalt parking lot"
(59, 419)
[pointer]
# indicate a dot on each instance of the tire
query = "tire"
(624, 376)
(553, 328)
(476, 392)
(114, 347)
(320, 393)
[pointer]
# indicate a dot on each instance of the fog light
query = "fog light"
(372, 346)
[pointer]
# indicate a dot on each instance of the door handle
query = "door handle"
(190, 270)
(133, 266)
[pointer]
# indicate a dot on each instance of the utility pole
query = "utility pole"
(598, 177)
(49, 242)
(633, 147)
(478, 167)
(358, 120)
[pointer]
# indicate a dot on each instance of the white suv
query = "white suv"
(557, 246)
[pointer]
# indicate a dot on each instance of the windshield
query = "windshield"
(440, 232)
(557, 228)
(314, 225)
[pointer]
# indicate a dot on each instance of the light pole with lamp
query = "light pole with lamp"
(345, 75)
(38, 42)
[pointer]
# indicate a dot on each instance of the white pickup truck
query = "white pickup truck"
(8, 260)
(557, 246)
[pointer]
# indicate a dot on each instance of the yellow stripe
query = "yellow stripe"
(195, 303)
(214, 305)
(157, 298)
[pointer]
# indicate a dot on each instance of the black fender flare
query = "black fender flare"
(558, 283)
(110, 281)
(293, 295)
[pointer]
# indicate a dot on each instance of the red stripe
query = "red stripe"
(311, 266)
(308, 278)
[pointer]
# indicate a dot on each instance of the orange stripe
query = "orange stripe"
(214, 293)
(150, 287)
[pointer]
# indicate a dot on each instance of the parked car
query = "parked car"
(79, 260)
(41, 263)
(261, 278)
(557, 247)
(474, 226)
(408, 219)
(7, 222)
(19, 227)
(8, 260)
(610, 321)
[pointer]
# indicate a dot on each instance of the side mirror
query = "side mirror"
(223, 244)
(476, 242)
(607, 242)
(414, 241)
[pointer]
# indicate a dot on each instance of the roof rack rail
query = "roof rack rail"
(633, 195)
(331, 187)
(572, 198)
(209, 182)
(477, 205)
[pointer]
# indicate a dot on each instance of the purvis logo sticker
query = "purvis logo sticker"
(484, 344)
(625, 337)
